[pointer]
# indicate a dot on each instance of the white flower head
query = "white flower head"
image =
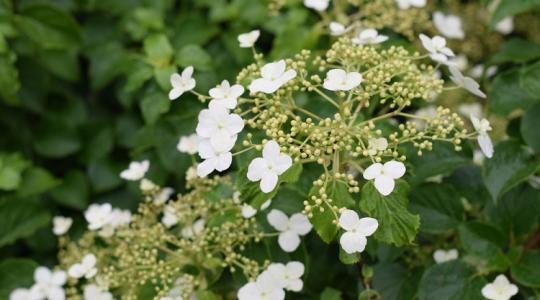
(337, 29)
(220, 126)
(136, 170)
(376, 144)
(440, 256)
(436, 46)
(93, 292)
(505, 26)
(406, 4)
(188, 144)
(98, 215)
(193, 230)
(248, 39)
(86, 268)
(267, 168)
(369, 36)
(484, 141)
(181, 83)
(288, 276)
(340, 80)
(465, 82)
(274, 75)
(290, 228)
(225, 95)
(448, 25)
(319, 5)
(61, 225)
(500, 289)
(265, 287)
(356, 230)
(385, 175)
(48, 284)
(214, 158)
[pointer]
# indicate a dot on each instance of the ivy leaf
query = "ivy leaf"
(529, 127)
(397, 225)
(20, 219)
(15, 273)
(484, 242)
(527, 271)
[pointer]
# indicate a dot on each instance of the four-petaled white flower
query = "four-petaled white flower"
(288, 276)
(440, 256)
(274, 76)
(376, 144)
(337, 28)
(188, 144)
(61, 225)
(248, 39)
(385, 175)
(290, 228)
(93, 292)
(466, 82)
(98, 215)
(340, 80)
(436, 46)
(369, 36)
(118, 217)
(356, 230)
(215, 158)
(86, 268)
(484, 141)
(48, 285)
(319, 5)
(268, 167)
(192, 230)
(448, 25)
(265, 287)
(406, 4)
(500, 289)
(136, 170)
(505, 26)
(181, 83)
(220, 126)
(225, 95)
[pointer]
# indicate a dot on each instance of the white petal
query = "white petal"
(42, 275)
(257, 167)
(300, 224)
(206, 167)
(175, 93)
(271, 150)
(384, 184)
(349, 220)
(268, 182)
(484, 141)
(288, 241)
(282, 163)
(367, 226)
(278, 219)
(295, 269)
(394, 169)
(224, 161)
(295, 285)
(352, 242)
(373, 171)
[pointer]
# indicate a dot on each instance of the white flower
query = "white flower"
(268, 167)
(194, 229)
(478, 70)
(290, 228)
(319, 5)
(147, 185)
(188, 144)
(61, 225)
(214, 158)
(448, 25)
(440, 256)
(376, 145)
(225, 95)
(86, 269)
(117, 218)
(505, 26)
(220, 126)
(466, 82)
(49, 284)
(136, 170)
(500, 289)
(93, 292)
(356, 230)
(25, 294)
(339, 80)
(369, 36)
(484, 141)
(181, 83)
(288, 276)
(248, 211)
(337, 28)
(264, 288)
(98, 215)
(436, 46)
(385, 175)
(169, 218)
(406, 4)
(467, 109)
(248, 39)
(163, 195)
(274, 76)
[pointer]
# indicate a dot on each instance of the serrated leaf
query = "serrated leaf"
(20, 219)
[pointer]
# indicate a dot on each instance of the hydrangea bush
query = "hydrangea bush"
(337, 171)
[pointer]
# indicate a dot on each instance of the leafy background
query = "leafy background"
(83, 88)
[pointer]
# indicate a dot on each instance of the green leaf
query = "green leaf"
(36, 181)
(508, 8)
(454, 280)
(104, 175)
(49, 27)
(509, 166)
(153, 105)
(527, 271)
(397, 225)
(207, 295)
(529, 127)
(439, 208)
(330, 294)
(9, 79)
(158, 50)
(74, 191)
(106, 63)
(529, 79)
(194, 55)
(516, 50)
(56, 144)
(20, 219)
(507, 95)
(62, 63)
(11, 168)
(484, 242)
(16, 273)
(394, 282)
(347, 258)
